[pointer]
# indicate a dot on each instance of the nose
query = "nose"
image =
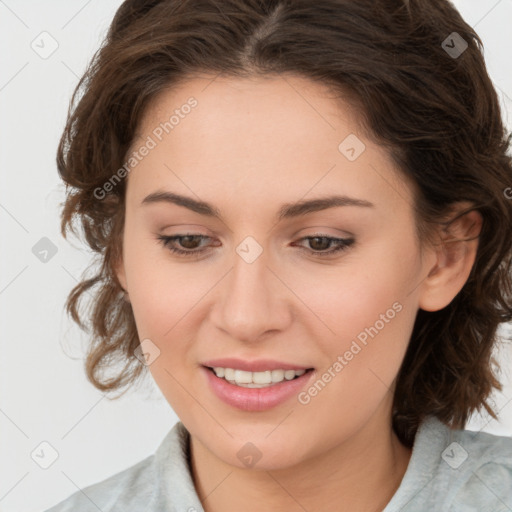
(251, 301)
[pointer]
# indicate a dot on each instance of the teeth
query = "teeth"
(229, 374)
(262, 377)
(277, 375)
(256, 379)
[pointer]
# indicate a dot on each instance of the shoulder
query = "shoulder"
(157, 482)
(132, 483)
(456, 471)
(485, 470)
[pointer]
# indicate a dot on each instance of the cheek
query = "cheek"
(373, 329)
(370, 313)
(167, 306)
(352, 297)
(161, 292)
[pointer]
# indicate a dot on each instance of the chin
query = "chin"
(264, 455)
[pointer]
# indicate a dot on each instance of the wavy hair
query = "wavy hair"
(436, 113)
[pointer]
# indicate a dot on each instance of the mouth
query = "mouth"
(261, 379)
(256, 391)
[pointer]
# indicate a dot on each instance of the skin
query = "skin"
(247, 148)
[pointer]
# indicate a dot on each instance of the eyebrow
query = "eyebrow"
(287, 210)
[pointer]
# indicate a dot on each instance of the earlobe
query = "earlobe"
(455, 257)
(121, 277)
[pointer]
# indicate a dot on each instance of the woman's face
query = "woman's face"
(261, 292)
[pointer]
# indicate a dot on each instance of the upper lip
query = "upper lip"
(259, 365)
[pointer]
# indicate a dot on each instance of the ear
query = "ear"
(120, 273)
(455, 256)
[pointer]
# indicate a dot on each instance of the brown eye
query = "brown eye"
(189, 244)
(320, 244)
(189, 241)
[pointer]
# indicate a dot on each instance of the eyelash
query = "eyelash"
(343, 244)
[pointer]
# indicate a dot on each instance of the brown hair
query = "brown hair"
(437, 114)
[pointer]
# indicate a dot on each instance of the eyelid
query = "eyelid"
(321, 231)
(341, 245)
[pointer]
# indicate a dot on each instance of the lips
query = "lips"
(256, 399)
(260, 365)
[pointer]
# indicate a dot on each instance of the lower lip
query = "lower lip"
(255, 399)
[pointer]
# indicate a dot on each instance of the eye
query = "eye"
(321, 242)
(318, 243)
(189, 241)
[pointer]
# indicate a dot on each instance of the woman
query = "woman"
(301, 214)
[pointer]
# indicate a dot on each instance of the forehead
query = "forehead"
(264, 137)
(290, 106)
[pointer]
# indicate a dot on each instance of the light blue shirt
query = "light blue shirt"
(449, 471)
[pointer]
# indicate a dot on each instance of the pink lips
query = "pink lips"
(255, 399)
(252, 366)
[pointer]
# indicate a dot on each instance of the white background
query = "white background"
(45, 395)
